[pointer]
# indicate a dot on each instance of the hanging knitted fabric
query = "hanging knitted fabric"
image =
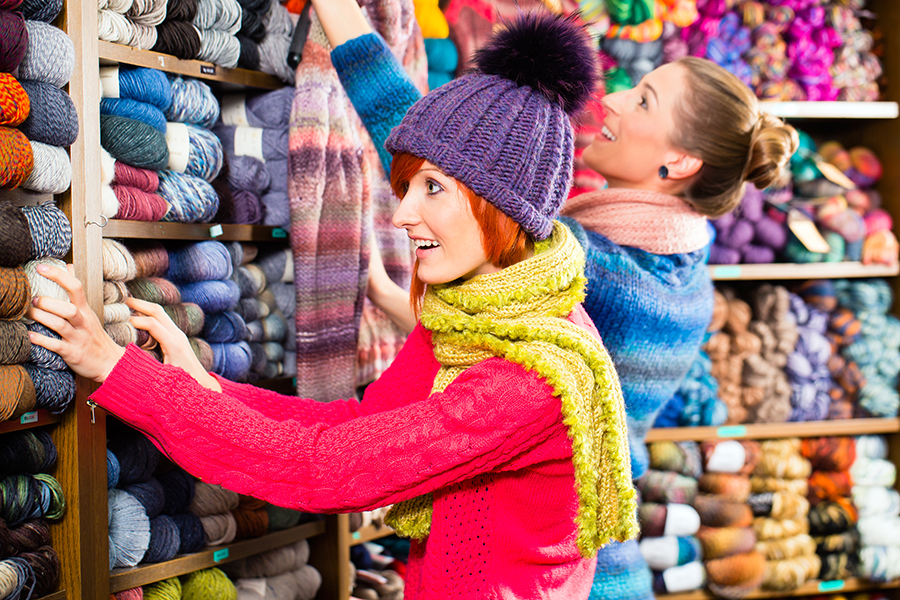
(519, 314)
(331, 203)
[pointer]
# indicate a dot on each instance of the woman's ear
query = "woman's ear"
(682, 166)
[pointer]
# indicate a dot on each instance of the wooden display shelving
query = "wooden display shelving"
(124, 579)
(370, 533)
(222, 232)
(60, 595)
(30, 420)
(117, 53)
(762, 431)
(831, 110)
(812, 588)
(835, 270)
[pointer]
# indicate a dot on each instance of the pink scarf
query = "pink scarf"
(654, 222)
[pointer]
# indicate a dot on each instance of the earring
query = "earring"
(663, 172)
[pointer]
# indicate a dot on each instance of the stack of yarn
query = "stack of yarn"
(733, 567)
(274, 47)
(661, 523)
(218, 22)
(807, 367)
(721, 36)
(119, 269)
(833, 516)
(877, 348)
(675, 559)
(879, 506)
(203, 272)
(130, 22)
(278, 268)
(252, 32)
(213, 505)
(767, 57)
(780, 482)
(176, 35)
(728, 345)
(696, 403)
(280, 574)
(129, 192)
(257, 127)
(856, 69)
(443, 58)
(750, 234)
(28, 562)
(206, 584)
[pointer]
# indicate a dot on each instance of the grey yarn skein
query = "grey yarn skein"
(50, 55)
(274, 47)
(221, 15)
(133, 142)
(51, 232)
(219, 47)
(41, 10)
(52, 172)
(53, 119)
(147, 12)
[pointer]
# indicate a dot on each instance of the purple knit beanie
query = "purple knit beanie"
(503, 130)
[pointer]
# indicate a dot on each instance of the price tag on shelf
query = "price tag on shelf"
(208, 69)
(833, 585)
(807, 232)
(29, 417)
(215, 231)
(731, 431)
(219, 555)
(726, 271)
(278, 232)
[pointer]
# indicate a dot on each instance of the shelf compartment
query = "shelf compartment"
(194, 231)
(118, 53)
(830, 110)
(834, 270)
(125, 579)
(369, 533)
(812, 588)
(29, 420)
(763, 431)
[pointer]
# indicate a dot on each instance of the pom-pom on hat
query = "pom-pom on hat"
(503, 130)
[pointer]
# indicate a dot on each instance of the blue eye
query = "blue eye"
(432, 187)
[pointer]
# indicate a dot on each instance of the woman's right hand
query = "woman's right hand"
(175, 346)
(84, 344)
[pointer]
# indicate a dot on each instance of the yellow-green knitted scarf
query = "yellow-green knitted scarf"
(520, 314)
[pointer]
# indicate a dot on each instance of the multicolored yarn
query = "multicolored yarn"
(680, 457)
(666, 487)
(16, 158)
(736, 575)
(14, 101)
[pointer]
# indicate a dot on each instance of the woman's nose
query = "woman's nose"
(612, 103)
(405, 215)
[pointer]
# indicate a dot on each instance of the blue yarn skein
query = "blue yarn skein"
(129, 529)
(137, 456)
(150, 494)
(165, 540)
(212, 296)
(205, 157)
(232, 361)
(191, 199)
(112, 469)
(202, 261)
(133, 109)
(51, 232)
(145, 85)
(55, 389)
(42, 357)
(224, 327)
(53, 118)
(193, 536)
(178, 490)
(192, 102)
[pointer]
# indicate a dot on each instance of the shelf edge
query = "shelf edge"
(760, 431)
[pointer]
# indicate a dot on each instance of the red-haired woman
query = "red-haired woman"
(498, 433)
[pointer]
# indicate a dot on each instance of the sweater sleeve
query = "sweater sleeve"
(489, 418)
(414, 358)
(378, 87)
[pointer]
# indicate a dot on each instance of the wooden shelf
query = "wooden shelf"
(193, 231)
(835, 270)
(125, 579)
(60, 595)
(812, 588)
(118, 53)
(762, 431)
(29, 420)
(369, 533)
(831, 110)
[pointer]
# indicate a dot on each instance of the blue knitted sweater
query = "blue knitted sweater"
(651, 311)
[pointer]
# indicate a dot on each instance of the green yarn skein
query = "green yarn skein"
(631, 12)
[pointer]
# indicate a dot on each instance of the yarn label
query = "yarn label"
(208, 69)
(257, 586)
(833, 585)
(220, 554)
(29, 417)
(726, 271)
(278, 232)
(215, 231)
(109, 81)
(834, 175)
(234, 110)
(807, 232)
(248, 141)
(731, 431)
(178, 139)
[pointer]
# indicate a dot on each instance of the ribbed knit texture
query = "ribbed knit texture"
(330, 202)
(492, 449)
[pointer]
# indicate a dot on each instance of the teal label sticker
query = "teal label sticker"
(731, 431)
(220, 554)
(833, 585)
(215, 231)
(294, 382)
(356, 535)
(29, 417)
(727, 272)
(278, 232)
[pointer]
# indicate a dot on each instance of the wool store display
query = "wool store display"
(279, 574)
(674, 559)
(750, 234)
(781, 522)
(176, 35)
(696, 403)
(832, 515)
(807, 367)
(734, 568)
(873, 478)
(218, 22)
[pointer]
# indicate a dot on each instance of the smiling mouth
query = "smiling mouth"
(424, 244)
(607, 133)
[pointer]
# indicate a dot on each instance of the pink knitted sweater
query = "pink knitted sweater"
(492, 448)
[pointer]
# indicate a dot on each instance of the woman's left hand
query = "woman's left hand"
(85, 346)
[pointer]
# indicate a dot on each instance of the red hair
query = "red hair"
(504, 241)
